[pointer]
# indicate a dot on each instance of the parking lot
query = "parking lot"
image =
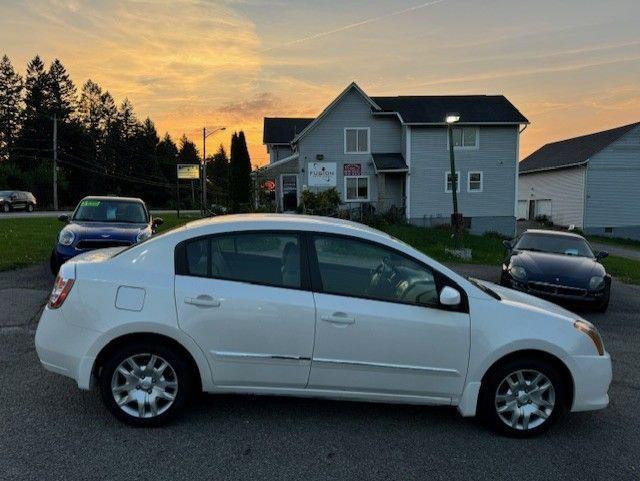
(51, 430)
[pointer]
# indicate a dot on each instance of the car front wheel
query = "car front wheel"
(5, 208)
(523, 398)
(145, 385)
(29, 207)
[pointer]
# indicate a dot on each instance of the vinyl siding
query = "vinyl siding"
(565, 189)
(279, 152)
(613, 177)
(495, 157)
(327, 139)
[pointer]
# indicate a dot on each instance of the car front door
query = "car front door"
(379, 326)
(244, 298)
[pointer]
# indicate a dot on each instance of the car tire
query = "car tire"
(523, 397)
(154, 391)
(6, 208)
(54, 265)
(29, 207)
(604, 304)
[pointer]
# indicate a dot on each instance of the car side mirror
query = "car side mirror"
(158, 221)
(507, 244)
(450, 297)
(63, 218)
(601, 255)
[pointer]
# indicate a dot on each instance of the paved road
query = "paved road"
(620, 251)
(51, 213)
(50, 430)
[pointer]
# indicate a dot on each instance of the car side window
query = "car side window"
(351, 267)
(271, 259)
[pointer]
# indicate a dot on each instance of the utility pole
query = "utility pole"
(55, 162)
(456, 217)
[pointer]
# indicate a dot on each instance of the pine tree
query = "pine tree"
(242, 172)
(62, 94)
(218, 176)
(36, 102)
(10, 103)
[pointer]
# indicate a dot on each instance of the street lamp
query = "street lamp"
(456, 218)
(206, 134)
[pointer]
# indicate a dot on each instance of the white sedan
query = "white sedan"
(308, 306)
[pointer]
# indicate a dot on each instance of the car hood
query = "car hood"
(112, 230)
(526, 300)
(557, 268)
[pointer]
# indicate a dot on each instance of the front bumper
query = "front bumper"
(591, 377)
(555, 293)
(62, 347)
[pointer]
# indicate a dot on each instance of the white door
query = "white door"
(543, 207)
(379, 327)
(523, 209)
(241, 298)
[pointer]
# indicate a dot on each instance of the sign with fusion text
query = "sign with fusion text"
(322, 174)
(188, 171)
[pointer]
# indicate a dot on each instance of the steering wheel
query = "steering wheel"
(381, 277)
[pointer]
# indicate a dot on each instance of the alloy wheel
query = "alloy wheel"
(525, 399)
(144, 385)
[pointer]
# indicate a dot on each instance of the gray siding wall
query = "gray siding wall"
(495, 157)
(327, 139)
(565, 189)
(279, 152)
(613, 176)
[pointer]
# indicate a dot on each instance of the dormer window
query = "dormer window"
(356, 140)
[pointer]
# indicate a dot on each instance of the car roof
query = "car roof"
(112, 197)
(282, 222)
(553, 232)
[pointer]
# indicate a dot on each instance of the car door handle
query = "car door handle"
(202, 301)
(339, 318)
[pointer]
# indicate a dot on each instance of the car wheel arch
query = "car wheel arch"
(153, 337)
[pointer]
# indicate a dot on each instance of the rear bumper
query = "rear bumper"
(62, 347)
(591, 376)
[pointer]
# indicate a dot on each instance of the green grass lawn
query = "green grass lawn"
(28, 241)
(634, 244)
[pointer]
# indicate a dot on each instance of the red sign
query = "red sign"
(352, 169)
(269, 185)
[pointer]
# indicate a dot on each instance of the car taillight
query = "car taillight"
(61, 289)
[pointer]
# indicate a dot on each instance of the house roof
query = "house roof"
(572, 152)
(280, 130)
(387, 162)
(432, 109)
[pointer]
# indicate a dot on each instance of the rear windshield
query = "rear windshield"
(100, 210)
(554, 244)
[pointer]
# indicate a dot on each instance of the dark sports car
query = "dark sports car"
(559, 266)
(100, 222)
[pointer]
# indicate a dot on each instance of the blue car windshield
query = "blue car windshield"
(100, 210)
(554, 244)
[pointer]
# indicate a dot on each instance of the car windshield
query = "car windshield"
(5, 193)
(100, 210)
(554, 244)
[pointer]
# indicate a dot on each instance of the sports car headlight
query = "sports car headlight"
(518, 272)
(596, 283)
(143, 235)
(593, 334)
(66, 237)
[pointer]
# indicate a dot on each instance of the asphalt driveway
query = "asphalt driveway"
(51, 430)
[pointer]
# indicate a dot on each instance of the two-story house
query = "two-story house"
(393, 153)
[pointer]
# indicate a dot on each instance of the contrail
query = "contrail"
(354, 25)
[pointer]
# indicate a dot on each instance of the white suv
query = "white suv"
(305, 306)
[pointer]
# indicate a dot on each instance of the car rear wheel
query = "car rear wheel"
(30, 207)
(523, 397)
(145, 385)
(5, 208)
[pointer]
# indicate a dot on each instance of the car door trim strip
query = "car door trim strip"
(436, 370)
(251, 355)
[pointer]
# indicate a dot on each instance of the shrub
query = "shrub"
(325, 202)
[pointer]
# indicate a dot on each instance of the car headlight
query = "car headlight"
(596, 283)
(143, 235)
(518, 272)
(66, 237)
(593, 334)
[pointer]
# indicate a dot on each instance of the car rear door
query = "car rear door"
(381, 330)
(244, 298)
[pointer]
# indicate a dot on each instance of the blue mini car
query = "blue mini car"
(100, 222)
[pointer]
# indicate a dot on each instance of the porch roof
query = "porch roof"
(389, 162)
(288, 165)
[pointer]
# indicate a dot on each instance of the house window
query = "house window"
(448, 182)
(356, 141)
(465, 138)
(356, 188)
(474, 182)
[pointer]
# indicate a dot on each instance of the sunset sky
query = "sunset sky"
(570, 66)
